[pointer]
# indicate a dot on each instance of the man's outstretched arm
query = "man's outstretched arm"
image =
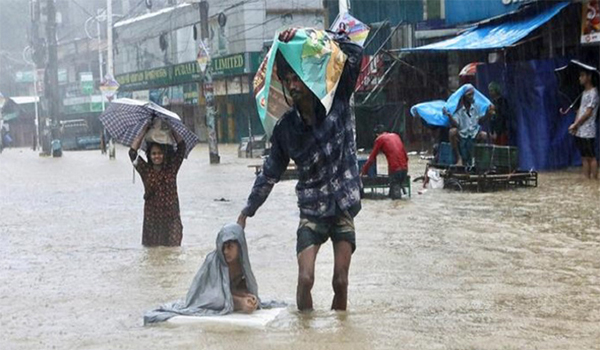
(372, 156)
(274, 166)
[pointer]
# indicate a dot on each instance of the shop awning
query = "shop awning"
(486, 35)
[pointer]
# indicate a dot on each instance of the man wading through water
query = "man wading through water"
(323, 148)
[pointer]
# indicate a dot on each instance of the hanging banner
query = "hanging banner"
(590, 22)
(357, 31)
(109, 87)
(203, 57)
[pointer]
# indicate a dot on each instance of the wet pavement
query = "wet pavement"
(516, 269)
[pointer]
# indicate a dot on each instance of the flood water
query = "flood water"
(516, 269)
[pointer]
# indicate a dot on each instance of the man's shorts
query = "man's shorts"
(312, 231)
(586, 147)
(396, 183)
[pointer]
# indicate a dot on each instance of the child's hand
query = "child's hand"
(250, 303)
(573, 129)
(252, 299)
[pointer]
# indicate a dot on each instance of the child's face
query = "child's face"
(231, 250)
(583, 78)
(157, 155)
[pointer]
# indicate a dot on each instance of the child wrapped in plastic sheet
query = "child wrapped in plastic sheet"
(224, 284)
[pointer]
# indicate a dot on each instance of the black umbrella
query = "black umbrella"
(568, 83)
(125, 119)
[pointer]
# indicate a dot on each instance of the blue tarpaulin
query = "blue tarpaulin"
(495, 36)
(481, 102)
(431, 113)
(540, 131)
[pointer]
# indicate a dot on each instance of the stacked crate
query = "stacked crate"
(499, 158)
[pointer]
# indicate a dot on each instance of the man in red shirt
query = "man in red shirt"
(391, 145)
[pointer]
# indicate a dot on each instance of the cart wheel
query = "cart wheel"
(452, 184)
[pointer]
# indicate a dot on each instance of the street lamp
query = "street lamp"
(103, 15)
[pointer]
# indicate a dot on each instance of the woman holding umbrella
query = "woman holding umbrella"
(127, 121)
(162, 223)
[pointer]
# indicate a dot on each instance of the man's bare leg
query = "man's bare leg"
(453, 136)
(306, 277)
(343, 255)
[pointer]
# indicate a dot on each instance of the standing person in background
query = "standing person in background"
(501, 120)
(584, 127)
(393, 148)
(102, 142)
(162, 223)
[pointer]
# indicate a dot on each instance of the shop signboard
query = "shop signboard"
(27, 76)
(141, 95)
(467, 11)
(190, 94)
(24, 76)
(234, 86)
(160, 77)
(220, 87)
(189, 72)
(186, 73)
(82, 104)
(87, 82)
(590, 22)
(228, 65)
(176, 94)
(238, 64)
(62, 76)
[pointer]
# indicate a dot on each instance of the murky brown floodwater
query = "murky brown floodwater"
(446, 270)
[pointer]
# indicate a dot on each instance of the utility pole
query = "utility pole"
(36, 61)
(51, 87)
(100, 60)
(109, 38)
(213, 147)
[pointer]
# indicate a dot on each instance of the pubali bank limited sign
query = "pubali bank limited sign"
(229, 65)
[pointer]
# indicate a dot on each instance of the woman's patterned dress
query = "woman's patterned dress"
(162, 223)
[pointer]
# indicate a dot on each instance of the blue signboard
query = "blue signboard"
(465, 11)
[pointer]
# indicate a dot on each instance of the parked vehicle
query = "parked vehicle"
(76, 135)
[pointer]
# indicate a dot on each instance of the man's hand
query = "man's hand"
(287, 35)
(242, 220)
(573, 128)
(446, 113)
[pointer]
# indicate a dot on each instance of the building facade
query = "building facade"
(155, 57)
